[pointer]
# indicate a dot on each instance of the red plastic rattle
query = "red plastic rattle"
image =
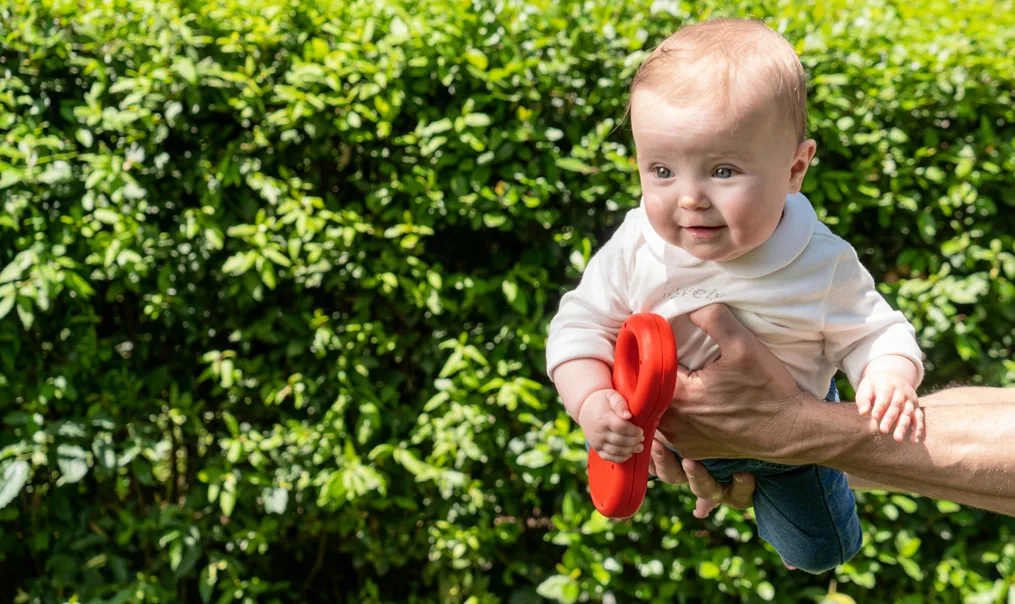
(644, 373)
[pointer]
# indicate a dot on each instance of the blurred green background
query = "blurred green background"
(275, 281)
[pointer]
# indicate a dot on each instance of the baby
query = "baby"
(718, 113)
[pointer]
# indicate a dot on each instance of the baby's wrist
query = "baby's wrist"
(892, 366)
(582, 406)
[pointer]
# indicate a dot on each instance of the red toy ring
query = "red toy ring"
(645, 374)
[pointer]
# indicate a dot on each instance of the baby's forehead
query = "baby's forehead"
(662, 115)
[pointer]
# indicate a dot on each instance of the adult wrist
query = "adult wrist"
(804, 435)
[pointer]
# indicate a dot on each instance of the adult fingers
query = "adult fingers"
(704, 507)
(741, 491)
(702, 483)
(733, 339)
(666, 465)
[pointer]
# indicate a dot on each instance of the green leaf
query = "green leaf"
(908, 505)
(869, 191)
(227, 500)
(6, 304)
(84, 137)
(935, 174)
(276, 257)
(268, 275)
(534, 458)
(478, 120)
(708, 570)
(596, 524)
(437, 127)
(231, 423)
(185, 67)
(15, 475)
(948, 507)
(14, 270)
(477, 59)
(510, 289)
(72, 460)
(275, 500)
(912, 568)
(206, 582)
(561, 588)
(493, 221)
(436, 401)
(106, 216)
(102, 448)
(25, 312)
(575, 165)
(239, 263)
(601, 575)
(908, 547)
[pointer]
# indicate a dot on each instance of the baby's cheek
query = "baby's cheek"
(748, 233)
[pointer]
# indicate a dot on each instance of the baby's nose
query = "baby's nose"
(692, 202)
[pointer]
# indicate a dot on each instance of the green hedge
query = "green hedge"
(275, 279)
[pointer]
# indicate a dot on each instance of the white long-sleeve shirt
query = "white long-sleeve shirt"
(803, 293)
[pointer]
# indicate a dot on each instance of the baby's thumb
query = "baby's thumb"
(864, 397)
(619, 405)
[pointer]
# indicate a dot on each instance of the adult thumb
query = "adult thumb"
(717, 320)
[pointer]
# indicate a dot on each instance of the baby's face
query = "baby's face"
(715, 193)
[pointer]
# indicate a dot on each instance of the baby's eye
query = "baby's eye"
(724, 170)
(662, 172)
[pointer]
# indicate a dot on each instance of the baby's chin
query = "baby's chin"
(721, 254)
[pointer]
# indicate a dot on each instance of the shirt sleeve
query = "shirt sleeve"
(590, 316)
(860, 326)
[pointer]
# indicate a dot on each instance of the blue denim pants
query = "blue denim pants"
(807, 512)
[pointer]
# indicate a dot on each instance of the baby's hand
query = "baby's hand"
(889, 397)
(603, 418)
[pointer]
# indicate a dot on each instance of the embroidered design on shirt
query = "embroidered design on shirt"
(672, 291)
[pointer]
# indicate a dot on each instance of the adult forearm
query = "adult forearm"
(968, 455)
(862, 484)
(577, 379)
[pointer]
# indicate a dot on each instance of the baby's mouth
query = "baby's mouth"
(704, 232)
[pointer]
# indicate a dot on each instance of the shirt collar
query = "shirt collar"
(783, 247)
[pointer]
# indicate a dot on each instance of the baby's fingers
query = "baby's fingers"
(882, 401)
(864, 397)
(622, 427)
(619, 405)
(624, 441)
(898, 402)
(918, 429)
(617, 453)
(905, 419)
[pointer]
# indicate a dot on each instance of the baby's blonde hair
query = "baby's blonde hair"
(717, 58)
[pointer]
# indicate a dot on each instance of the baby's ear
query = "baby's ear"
(801, 161)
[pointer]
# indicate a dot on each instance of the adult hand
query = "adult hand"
(743, 405)
(738, 494)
